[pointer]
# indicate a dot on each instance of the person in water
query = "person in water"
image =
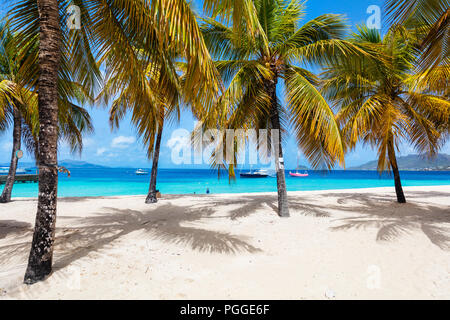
(207, 191)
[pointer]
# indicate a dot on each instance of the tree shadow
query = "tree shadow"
(373, 210)
(394, 220)
(181, 225)
(167, 223)
(8, 227)
(248, 204)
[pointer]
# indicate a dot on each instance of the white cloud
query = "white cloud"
(122, 142)
(101, 151)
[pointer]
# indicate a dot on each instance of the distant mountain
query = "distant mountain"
(69, 164)
(21, 164)
(413, 162)
(74, 164)
(300, 167)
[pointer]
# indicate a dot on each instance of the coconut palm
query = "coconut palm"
(11, 95)
(432, 19)
(256, 57)
(112, 30)
(20, 105)
(164, 91)
(41, 253)
(380, 105)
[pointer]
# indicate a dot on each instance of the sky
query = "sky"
(122, 147)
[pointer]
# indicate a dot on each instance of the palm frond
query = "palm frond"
(314, 122)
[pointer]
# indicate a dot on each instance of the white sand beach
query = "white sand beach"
(338, 244)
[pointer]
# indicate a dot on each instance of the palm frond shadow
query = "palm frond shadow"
(8, 227)
(251, 203)
(182, 225)
(395, 220)
(167, 223)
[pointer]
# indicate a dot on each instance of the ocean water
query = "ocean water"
(123, 181)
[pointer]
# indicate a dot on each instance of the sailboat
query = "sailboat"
(296, 173)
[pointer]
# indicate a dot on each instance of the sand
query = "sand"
(338, 244)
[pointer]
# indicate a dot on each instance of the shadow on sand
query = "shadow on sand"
(8, 227)
(166, 222)
(177, 225)
(393, 219)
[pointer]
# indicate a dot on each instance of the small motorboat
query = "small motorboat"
(255, 174)
(296, 174)
(141, 172)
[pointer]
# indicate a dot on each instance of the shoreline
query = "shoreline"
(296, 192)
(184, 246)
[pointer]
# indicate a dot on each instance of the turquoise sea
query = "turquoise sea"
(123, 181)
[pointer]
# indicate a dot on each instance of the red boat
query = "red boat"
(298, 174)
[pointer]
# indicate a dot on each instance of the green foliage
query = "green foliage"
(266, 43)
(379, 102)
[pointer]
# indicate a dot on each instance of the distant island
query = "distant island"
(69, 164)
(20, 164)
(414, 162)
(75, 164)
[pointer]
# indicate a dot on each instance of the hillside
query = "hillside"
(413, 162)
(74, 164)
(69, 164)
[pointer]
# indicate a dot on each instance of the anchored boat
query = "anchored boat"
(141, 172)
(255, 174)
(296, 174)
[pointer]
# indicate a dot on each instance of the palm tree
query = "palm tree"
(151, 196)
(112, 30)
(378, 102)
(254, 57)
(432, 19)
(20, 104)
(41, 253)
(17, 133)
(164, 90)
(9, 93)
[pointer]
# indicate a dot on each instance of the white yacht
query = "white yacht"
(141, 172)
(255, 174)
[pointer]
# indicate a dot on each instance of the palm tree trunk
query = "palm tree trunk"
(151, 197)
(398, 183)
(41, 253)
(17, 137)
(283, 206)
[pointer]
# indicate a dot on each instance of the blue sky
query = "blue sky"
(122, 148)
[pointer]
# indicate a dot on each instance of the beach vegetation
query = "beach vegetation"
(257, 51)
(379, 103)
